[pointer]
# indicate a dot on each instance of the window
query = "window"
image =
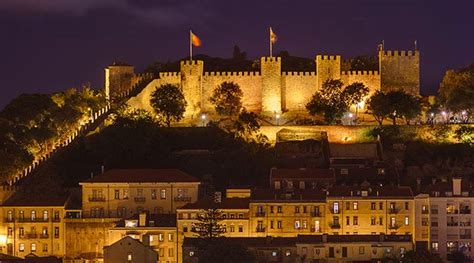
(56, 215)
(434, 246)
(56, 232)
(129, 257)
(22, 214)
(355, 220)
(393, 221)
(316, 226)
(316, 251)
(271, 224)
(170, 237)
(116, 194)
(297, 209)
(21, 247)
(185, 228)
(279, 226)
(163, 193)
(361, 250)
(344, 252)
(170, 252)
(331, 252)
(33, 215)
(161, 237)
(305, 224)
(21, 231)
(407, 206)
(380, 205)
(45, 215)
(10, 231)
(191, 253)
(125, 194)
(279, 209)
(355, 206)
(305, 210)
(241, 228)
(33, 247)
(407, 220)
(348, 206)
(10, 216)
(274, 253)
(153, 193)
(348, 220)
(335, 220)
(44, 232)
(121, 211)
(45, 247)
(392, 206)
(232, 228)
(271, 209)
(372, 206)
(140, 192)
(288, 253)
(335, 207)
(381, 221)
(373, 220)
(297, 224)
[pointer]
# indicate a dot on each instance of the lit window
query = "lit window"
(160, 237)
(116, 194)
(163, 193)
(129, 257)
(297, 224)
(191, 253)
(33, 247)
(170, 237)
(45, 215)
(274, 253)
(125, 194)
(22, 247)
(355, 205)
(434, 246)
(288, 253)
(153, 193)
(407, 220)
(335, 207)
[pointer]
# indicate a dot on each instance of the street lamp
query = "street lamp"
(203, 118)
(277, 119)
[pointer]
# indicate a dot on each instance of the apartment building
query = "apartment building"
(375, 210)
(121, 193)
(444, 218)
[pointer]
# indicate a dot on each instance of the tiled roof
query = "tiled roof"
(302, 174)
(226, 203)
(352, 238)
(296, 195)
(159, 220)
(142, 176)
(373, 191)
(355, 150)
(441, 188)
(254, 242)
(26, 199)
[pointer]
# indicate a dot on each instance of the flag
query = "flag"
(273, 36)
(195, 40)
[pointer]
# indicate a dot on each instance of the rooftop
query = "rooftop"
(226, 203)
(143, 176)
(372, 191)
(302, 174)
(296, 195)
(153, 220)
(25, 199)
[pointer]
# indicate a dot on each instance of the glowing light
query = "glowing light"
(351, 115)
(3, 240)
(463, 112)
(432, 114)
(361, 105)
(278, 116)
(444, 113)
(203, 116)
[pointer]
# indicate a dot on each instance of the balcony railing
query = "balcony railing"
(452, 223)
(9, 220)
(260, 229)
(44, 236)
(392, 210)
(335, 211)
(260, 214)
(140, 199)
(465, 211)
(466, 236)
(96, 198)
(464, 223)
(36, 219)
(182, 199)
(393, 226)
(425, 211)
(56, 220)
(314, 230)
(32, 236)
(335, 226)
(315, 213)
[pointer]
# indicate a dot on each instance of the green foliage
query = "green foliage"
(393, 105)
(227, 99)
(465, 134)
(224, 250)
(379, 106)
(247, 123)
(456, 91)
(355, 93)
(169, 103)
(421, 256)
(329, 102)
(208, 224)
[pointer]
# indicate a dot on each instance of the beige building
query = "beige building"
(370, 211)
(158, 231)
(121, 193)
(33, 225)
(444, 218)
(129, 250)
(287, 213)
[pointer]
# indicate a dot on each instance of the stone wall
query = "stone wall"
(400, 70)
(297, 88)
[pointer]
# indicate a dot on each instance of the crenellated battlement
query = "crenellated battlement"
(169, 74)
(361, 72)
(400, 53)
(328, 57)
(271, 59)
(232, 73)
(191, 62)
(298, 73)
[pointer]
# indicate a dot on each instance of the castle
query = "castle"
(269, 90)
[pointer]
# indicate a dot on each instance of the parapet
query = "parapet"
(326, 57)
(191, 62)
(232, 73)
(400, 53)
(168, 74)
(361, 72)
(271, 59)
(299, 73)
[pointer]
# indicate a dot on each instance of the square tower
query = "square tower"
(271, 84)
(400, 70)
(118, 79)
(191, 85)
(327, 67)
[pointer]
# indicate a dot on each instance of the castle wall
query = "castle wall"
(118, 79)
(327, 67)
(249, 82)
(297, 89)
(371, 79)
(271, 84)
(400, 70)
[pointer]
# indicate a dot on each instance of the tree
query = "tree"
(224, 250)
(329, 101)
(465, 134)
(420, 256)
(246, 123)
(169, 103)
(208, 225)
(355, 93)
(456, 92)
(393, 105)
(227, 99)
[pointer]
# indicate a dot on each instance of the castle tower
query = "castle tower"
(327, 67)
(118, 79)
(271, 84)
(400, 70)
(191, 84)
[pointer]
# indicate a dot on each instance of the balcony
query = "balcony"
(464, 223)
(314, 230)
(44, 236)
(426, 211)
(140, 199)
(32, 236)
(452, 223)
(36, 219)
(182, 199)
(465, 211)
(335, 211)
(260, 214)
(335, 226)
(466, 236)
(392, 210)
(315, 214)
(260, 229)
(9, 220)
(56, 220)
(394, 227)
(96, 198)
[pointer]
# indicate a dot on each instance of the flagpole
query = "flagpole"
(190, 45)
(270, 38)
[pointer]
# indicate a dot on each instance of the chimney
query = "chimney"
(142, 219)
(456, 186)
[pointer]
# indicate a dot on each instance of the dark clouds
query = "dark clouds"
(51, 45)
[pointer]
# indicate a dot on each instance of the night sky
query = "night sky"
(51, 45)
